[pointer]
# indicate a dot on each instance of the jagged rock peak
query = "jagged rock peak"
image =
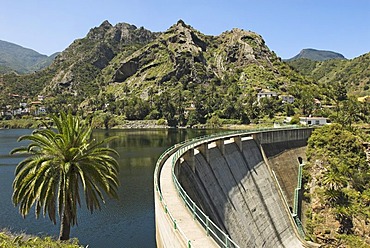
(185, 36)
(121, 33)
(124, 25)
(98, 32)
(243, 34)
(180, 25)
(105, 24)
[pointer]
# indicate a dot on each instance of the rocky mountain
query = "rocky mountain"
(317, 55)
(183, 57)
(21, 60)
(135, 73)
(181, 75)
(81, 63)
(124, 58)
(72, 75)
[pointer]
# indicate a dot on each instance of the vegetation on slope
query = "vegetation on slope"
(337, 188)
(10, 240)
(22, 60)
(353, 74)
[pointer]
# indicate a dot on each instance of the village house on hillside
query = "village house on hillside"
(34, 108)
(265, 93)
(310, 121)
(318, 121)
(287, 98)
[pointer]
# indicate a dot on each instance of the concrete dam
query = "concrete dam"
(230, 190)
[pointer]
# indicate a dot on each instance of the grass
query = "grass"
(20, 123)
(10, 240)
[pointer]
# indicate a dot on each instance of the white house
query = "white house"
(17, 111)
(265, 93)
(23, 105)
(313, 121)
(287, 98)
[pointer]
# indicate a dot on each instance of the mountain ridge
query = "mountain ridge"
(123, 64)
(317, 55)
(22, 60)
(132, 72)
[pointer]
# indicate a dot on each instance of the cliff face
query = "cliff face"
(174, 54)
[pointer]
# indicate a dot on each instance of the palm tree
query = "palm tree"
(62, 162)
(334, 180)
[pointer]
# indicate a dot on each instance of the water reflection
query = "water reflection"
(126, 222)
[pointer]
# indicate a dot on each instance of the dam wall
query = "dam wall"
(232, 179)
(284, 159)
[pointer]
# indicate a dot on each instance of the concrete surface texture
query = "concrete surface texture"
(234, 186)
(282, 158)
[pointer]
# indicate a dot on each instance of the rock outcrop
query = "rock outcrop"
(94, 52)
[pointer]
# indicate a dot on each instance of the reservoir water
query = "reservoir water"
(126, 222)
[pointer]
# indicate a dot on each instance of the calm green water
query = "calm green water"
(126, 222)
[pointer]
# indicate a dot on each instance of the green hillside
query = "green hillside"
(353, 74)
(21, 60)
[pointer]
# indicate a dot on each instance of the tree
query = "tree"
(270, 106)
(338, 93)
(306, 101)
(61, 162)
(349, 112)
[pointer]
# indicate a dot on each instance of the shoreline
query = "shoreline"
(129, 124)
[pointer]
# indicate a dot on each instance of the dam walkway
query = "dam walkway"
(191, 230)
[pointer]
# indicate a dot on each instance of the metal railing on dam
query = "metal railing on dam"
(175, 153)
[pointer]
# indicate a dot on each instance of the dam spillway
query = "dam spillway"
(231, 179)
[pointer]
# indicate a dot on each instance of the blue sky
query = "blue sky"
(287, 26)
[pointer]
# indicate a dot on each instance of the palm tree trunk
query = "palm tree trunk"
(65, 227)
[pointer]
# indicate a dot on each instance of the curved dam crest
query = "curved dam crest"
(232, 181)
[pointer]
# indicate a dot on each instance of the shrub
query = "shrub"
(161, 122)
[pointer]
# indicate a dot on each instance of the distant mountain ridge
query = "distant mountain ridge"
(22, 60)
(317, 55)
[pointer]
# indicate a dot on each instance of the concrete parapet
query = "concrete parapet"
(269, 137)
